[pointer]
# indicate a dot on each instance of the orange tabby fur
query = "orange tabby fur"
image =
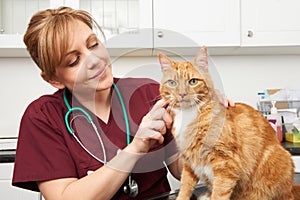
(234, 150)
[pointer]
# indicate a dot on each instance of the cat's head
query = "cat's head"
(185, 84)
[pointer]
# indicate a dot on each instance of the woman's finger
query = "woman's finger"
(157, 110)
(155, 135)
(157, 125)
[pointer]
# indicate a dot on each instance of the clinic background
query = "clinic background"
(241, 76)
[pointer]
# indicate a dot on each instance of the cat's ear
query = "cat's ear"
(165, 61)
(201, 59)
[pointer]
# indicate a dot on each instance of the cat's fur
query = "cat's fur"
(234, 150)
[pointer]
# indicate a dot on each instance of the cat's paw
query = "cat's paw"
(205, 196)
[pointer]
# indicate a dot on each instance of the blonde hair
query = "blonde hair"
(46, 37)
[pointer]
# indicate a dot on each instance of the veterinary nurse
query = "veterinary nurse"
(97, 137)
(49, 158)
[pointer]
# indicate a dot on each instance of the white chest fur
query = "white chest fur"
(183, 117)
(203, 170)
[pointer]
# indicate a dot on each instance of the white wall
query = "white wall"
(242, 77)
(20, 84)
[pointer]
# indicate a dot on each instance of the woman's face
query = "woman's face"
(86, 67)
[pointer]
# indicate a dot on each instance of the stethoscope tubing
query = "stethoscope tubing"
(104, 161)
(133, 187)
(90, 120)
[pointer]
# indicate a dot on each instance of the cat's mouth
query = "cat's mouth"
(184, 103)
(184, 99)
(179, 103)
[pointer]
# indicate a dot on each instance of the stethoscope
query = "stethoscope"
(132, 187)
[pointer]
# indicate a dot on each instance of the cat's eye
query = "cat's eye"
(193, 81)
(172, 83)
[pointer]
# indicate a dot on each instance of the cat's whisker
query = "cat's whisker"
(198, 101)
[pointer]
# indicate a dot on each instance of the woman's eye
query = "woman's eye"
(172, 83)
(94, 45)
(193, 81)
(75, 62)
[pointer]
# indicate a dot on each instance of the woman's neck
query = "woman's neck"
(99, 104)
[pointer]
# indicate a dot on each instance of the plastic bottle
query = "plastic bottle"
(263, 102)
(261, 96)
(275, 120)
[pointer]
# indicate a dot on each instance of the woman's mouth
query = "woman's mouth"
(99, 74)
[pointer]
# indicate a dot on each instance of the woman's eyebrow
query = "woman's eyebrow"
(91, 37)
(71, 52)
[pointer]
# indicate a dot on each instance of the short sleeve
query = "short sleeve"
(42, 153)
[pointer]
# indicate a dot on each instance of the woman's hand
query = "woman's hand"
(224, 100)
(151, 129)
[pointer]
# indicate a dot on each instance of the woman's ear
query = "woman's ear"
(55, 83)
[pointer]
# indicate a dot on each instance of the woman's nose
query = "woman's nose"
(91, 60)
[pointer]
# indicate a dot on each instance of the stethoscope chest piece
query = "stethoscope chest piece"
(131, 188)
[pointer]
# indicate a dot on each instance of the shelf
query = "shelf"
(13, 51)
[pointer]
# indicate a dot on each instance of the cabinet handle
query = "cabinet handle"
(250, 34)
(160, 34)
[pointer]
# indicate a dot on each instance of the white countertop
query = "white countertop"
(8, 143)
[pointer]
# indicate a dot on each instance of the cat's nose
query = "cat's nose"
(182, 95)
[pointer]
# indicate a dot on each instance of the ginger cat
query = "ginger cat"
(234, 150)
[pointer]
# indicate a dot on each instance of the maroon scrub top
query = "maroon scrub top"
(47, 151)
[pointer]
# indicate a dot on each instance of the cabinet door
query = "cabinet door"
(127, 24)
(15, 14)
(270, 22)
(8, 192)
(196, 22)
(297, 163)
(14, 17)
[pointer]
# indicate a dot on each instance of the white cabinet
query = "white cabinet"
(14, 17)
(8, 192)
(15, 14)
(201, 22)
(143, 26)
(127, 24)
(270, 22)
(297, 163)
